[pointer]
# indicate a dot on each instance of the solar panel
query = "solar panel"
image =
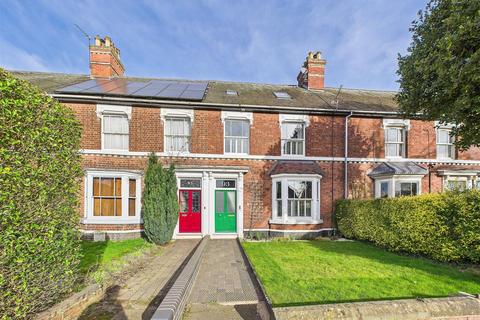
(168, 89)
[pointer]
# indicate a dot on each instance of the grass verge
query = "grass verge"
(102, 258)
(323, 271)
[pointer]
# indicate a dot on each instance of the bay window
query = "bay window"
(112, 197)
(295, 199)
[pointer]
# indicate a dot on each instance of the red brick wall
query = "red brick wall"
(146, 130)
(265, 134)
(91, 125)
(421, 140)
(366, 138)
(319, 136)
(207, 132)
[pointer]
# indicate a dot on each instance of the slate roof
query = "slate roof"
(391, 168)
(295, 167)
(249, 94)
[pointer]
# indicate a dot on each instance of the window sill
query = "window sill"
(112, 220)
(292, 221)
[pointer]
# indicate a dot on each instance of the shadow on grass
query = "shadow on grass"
(107, 308)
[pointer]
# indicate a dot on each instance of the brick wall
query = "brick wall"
(366, 140)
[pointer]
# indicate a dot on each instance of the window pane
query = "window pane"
(96, 187)
(132, 188)
(106, 186)
(279, 208)
(308, 208)
(118, 187)
(96, 207)
(118, 207)
(392, 150)
(131, 207)
(219, 201)
(108, 207)
(231, 201)
(196, 201)
(279, 189)
(309, 190)
(236, 128)
(183, 201)
(384, 189)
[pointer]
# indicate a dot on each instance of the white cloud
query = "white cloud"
(14, 58)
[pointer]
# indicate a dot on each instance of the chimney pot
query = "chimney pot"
(108, 41)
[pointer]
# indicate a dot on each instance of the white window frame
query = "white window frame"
(89, 218)
(444, 127)
(399, 124)
(393, 180)
(113, 110)
(187, 136)
(293, 118)
(165, 114)
(284, 218)
(240, 116)
(470, 176)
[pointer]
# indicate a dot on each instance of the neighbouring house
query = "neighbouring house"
(248, 157)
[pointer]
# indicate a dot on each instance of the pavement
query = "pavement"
(224, 287)
(139, 296)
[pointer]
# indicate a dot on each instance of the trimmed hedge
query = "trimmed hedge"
(442, 226)
(160, 202)
(39, 171)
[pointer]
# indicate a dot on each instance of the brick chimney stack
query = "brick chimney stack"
(312, 74)
(105, 59)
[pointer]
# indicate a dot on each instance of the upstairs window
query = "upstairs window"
(445, 147)
(293, 138)
(115, 132)
(395, 142)
(237, 136)
(177, 134)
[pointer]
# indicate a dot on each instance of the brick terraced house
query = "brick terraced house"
(249, 157)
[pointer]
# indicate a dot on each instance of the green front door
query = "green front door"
(225, 211)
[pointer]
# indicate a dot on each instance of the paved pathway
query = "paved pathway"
(139, 296)
(223, 288)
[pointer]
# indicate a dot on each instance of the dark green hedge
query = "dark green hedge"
(39, 171)
(160, 202)
(443, 226)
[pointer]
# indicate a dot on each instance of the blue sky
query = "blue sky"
(256, 41)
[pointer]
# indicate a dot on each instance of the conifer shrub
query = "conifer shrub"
(39, 184)
(443, 226)
(160, 202)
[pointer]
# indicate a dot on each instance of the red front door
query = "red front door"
(190, 211)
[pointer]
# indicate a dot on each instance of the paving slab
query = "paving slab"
(223, 276)
(139, 296)
(224, 287)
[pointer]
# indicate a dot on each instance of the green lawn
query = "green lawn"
(98, 256)
(322, 271)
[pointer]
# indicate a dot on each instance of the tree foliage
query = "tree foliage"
(160, 202)
(440, 74)
(39, 172)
